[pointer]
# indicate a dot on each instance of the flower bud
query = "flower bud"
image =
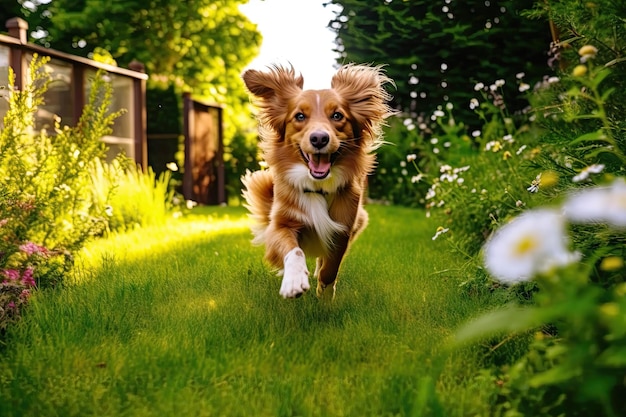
(579, 70)
(588, 51)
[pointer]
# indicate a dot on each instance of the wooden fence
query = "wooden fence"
(69, 90)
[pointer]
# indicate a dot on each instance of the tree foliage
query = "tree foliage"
(200, 46)
(198, 42)
(437, 51)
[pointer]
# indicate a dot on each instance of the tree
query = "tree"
(437, 51)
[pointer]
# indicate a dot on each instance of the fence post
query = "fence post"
(18, 28)
(187, 132)
(139, 110)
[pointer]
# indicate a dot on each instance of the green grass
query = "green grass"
(186, 320)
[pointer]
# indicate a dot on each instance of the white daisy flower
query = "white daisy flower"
(591, 169)
(532, 243)
(534, 185)
(599, 204)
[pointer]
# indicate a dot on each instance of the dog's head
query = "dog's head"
(321, 127)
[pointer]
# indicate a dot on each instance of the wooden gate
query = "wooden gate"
(203, 179)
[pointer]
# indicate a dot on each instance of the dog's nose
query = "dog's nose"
(319, 139)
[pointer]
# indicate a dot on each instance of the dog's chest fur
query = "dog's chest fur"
(318, 235)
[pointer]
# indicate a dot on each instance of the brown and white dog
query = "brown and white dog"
(318, 145)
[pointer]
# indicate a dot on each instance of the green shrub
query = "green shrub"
(575, 364)
(47, 209)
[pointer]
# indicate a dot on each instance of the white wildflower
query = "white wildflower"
(474, 103)
(172, 166)
(599, 204)
(532, 243)
(585, 172)
(534, 185)
(493, 146)
(411, 157)
(523, 87)
(417, 178)
(479, 86)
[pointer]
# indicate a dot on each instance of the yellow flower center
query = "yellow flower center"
(525, 245)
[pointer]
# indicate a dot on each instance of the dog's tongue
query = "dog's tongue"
(319, 165)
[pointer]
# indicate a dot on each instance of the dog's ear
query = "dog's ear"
(278, 81)
(274, 91)
(363, 89)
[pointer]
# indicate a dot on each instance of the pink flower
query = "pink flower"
(11, 304)
(29, 248)
(27, 277)
(25, 294)
(12, 274)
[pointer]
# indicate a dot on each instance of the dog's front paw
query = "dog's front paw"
(295, 275)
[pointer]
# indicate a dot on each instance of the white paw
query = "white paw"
(295, 275)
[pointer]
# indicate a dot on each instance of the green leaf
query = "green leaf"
(506, 320)
(554, 376)
(592, 136)
(614, 356)
(600, 76)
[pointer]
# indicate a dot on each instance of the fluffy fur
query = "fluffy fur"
(319, 147)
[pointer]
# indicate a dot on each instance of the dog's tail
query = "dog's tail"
(259, 194)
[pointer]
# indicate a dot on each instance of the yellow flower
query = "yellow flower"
(588, 50)
(506, 155)
(611, 263)
(549, 179)
(609, 309)
(579, 70)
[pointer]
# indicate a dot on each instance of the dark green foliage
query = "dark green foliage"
(437, 51)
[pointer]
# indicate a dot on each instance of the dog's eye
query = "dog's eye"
(336, 116)
(300, 117)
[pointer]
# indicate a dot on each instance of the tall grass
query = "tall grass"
(134, 198)
(186, 320)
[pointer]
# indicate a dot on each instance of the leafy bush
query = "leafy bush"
(46, 204)
(572, 254)
(576, 367)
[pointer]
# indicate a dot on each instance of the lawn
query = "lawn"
(186, 320)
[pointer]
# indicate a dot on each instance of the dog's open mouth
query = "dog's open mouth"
(319, 164)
